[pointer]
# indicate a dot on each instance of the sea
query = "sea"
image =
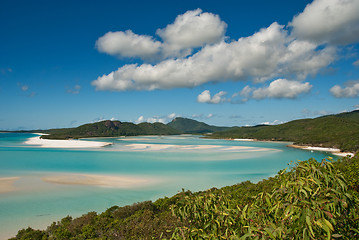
(165, 165)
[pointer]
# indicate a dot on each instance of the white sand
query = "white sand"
(244, 139)
(49, 143)
(7, 184)
(100, 180)
(334, 151)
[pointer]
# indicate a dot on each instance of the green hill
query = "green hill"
(338, 131)
(110, 129)
(187, 125)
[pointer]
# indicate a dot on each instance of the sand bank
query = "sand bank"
(7, 184)
(334, 151)
(244, 139)
(100, 180)
(49, 143)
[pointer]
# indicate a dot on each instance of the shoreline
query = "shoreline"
(334, 151)
(50, 143)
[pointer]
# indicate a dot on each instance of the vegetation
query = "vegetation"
(110, 129)
(186, 125)
(338, 131)
(311, 200)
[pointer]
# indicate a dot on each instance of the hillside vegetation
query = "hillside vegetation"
(338, 131)
(311, 200)
(186, 125)
(110, 129)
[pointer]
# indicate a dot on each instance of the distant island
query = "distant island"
(338, 131)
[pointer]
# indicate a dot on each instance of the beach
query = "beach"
(49, 143)
(334, 151)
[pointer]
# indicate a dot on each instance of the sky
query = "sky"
(227, 63)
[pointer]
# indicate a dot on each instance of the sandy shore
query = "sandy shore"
(49, 143)
(100, 180)
(334, 151)
(7, 184)
(244, 139)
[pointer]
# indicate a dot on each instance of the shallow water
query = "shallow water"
(175, 162)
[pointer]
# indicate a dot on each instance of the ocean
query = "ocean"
(41, 185)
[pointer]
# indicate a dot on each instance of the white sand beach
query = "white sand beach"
(7, 184)
(100, 180)
(49, 143)
(334, 151)
(244, 139)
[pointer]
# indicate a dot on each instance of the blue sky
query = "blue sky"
(230, 63)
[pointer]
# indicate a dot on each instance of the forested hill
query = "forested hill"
(110, 129)
(187, 125)
(339, 131)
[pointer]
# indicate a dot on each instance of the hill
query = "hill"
(110, 129)
(338, 131)
(187, 125)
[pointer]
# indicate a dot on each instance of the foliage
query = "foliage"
(186, 125)
(309, 202)
(312, 200)
(110, 129)
(339, 131)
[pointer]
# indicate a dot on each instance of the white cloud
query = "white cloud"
(282, 88)
(128, 44)
(350, 90)
(140, 119)
(190, 30)
(328, 21)
(262, 56)
(210, 115)
(356, 63)
(275, 122)
(161, 119)
(205, 97)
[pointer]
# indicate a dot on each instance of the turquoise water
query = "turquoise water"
(179, 162)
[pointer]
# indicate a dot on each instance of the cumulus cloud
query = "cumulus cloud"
(128, 44)
(205, 97)
(190, 30)
(161, 119)
(350, 90)
(328, 21)
(259, 57)
(194, 51)
(282, 88)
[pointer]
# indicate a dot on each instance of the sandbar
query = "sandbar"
(100, 180)
(334, 151)
(244, 139)
(49, 143)
(7, 184)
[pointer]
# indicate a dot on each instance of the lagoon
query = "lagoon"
(41, 185)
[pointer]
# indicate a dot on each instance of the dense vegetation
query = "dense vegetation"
(186, 125)
(110, 129)
(311, 200)
(339, 131)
